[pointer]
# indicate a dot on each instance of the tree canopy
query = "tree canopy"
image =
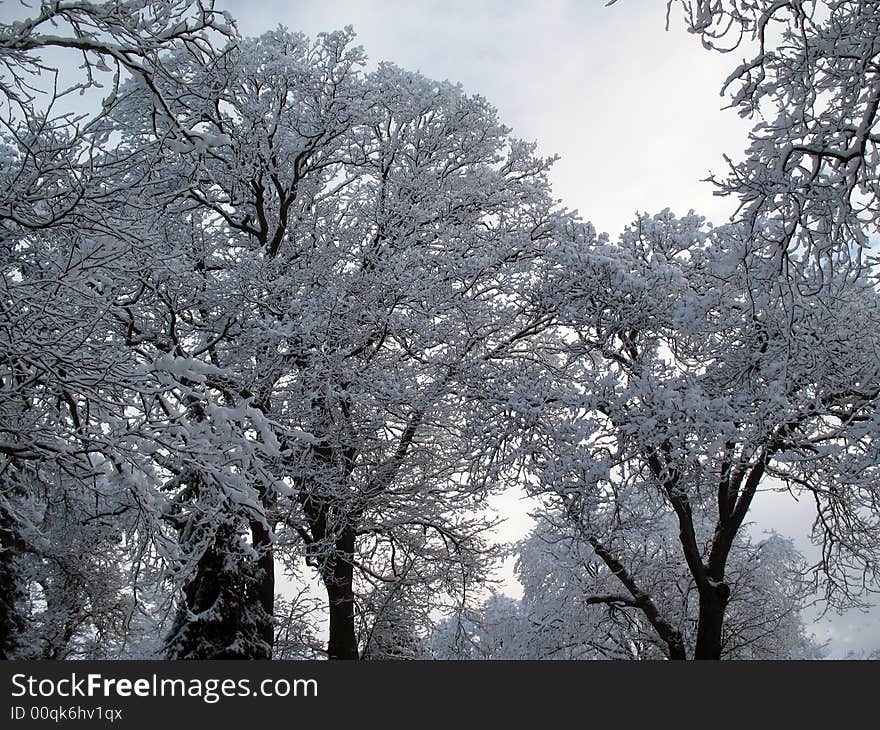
(274, 319)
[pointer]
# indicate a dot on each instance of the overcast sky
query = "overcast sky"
(633, 111)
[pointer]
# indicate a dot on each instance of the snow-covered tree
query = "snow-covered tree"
(578, 608)
(574, 607)
(700, 375)
(499, 629)
(62, 377)
(337, 273)
(808, 77)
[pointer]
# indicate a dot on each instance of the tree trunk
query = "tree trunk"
(676, 648)
(713, 603)
(265, 589)
(339, 582)
(12, 595)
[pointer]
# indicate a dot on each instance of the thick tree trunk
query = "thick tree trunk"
(713, 604)
(265, 589)
(676, 648)
(339, 582)
(12, 593)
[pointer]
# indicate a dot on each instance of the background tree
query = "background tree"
(698, 374)
(574, 607)
(578, 608)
